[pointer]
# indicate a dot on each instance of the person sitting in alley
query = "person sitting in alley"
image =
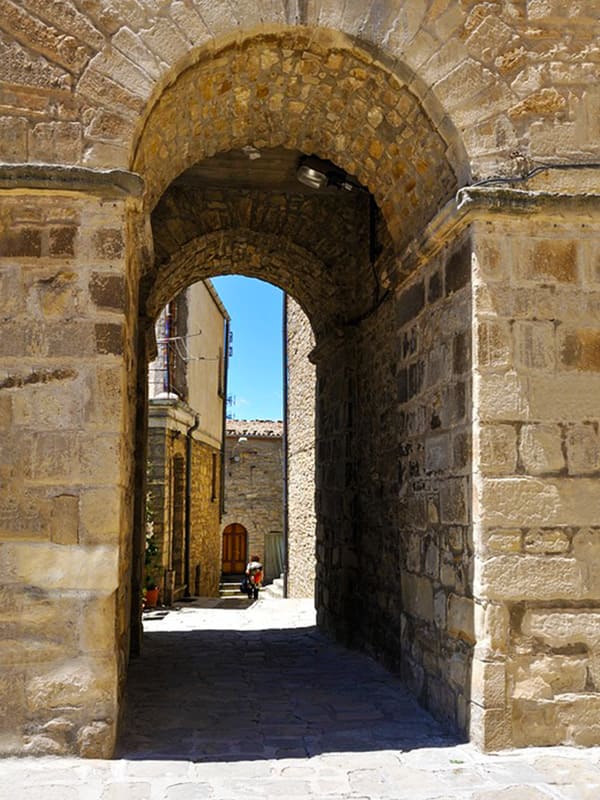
(254, 571)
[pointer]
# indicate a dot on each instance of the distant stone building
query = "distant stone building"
(185, 442)
(253, 519)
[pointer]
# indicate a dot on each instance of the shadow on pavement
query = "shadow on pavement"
(229, 695)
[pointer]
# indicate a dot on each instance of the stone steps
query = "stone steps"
(274, 590)
(230, 586)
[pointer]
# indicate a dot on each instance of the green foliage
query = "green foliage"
(152, 562)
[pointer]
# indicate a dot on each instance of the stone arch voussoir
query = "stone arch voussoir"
(256, 255)
(328, 98)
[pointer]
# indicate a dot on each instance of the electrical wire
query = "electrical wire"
(541, 167)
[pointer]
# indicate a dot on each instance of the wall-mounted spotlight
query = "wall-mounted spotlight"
(316, 173)
(311, 176)
(235, 456)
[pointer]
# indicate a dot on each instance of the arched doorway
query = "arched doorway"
(235, 549)
(227, 199)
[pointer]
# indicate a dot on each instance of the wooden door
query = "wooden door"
(234, 549)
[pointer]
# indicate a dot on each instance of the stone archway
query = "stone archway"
(312, 102)
(302, 93)
(263, 256)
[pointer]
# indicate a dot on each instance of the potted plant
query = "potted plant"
(152, 565)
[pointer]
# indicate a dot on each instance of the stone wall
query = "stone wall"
(205, 545)
(66, 467)
(300, 454)
(254, 481)
(416, 100)
(169, 423)
(538, 461)
(433, 323)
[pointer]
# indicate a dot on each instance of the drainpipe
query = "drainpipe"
(188, 504)
(224, 429)
(285, 448)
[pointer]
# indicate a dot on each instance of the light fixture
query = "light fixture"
(235, 456)
(311, 177)
(317, 173)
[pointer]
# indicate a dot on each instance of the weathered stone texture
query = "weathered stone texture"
(167, 454)
(539, 542)
(314, 247)
(434, 516)
(52, 544)
(457, 371)
(300, 454)
(254, 484)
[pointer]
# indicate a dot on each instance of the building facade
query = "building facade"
(253, 522)
(185, 444)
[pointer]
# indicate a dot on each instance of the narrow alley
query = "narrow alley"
(250, 699)
(231, 684)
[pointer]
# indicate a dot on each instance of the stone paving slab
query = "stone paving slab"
(321, 722)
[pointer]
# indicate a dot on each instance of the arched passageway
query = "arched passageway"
(337, 252)
(456, 333)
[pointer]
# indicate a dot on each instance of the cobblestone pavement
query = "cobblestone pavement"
(233, 699)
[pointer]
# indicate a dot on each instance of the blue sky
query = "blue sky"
(255, 369)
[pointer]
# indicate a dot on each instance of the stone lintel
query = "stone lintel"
(113, 183)
(482, 201)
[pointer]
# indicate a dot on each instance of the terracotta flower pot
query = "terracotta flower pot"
(151, 599)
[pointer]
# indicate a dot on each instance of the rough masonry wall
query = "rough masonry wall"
(159, 493)
(514, 77)
(300, 454)
(537, 301)
(337, 530)
(433, 322)
(65, 464)
(205, 542)
(254, 484)
(413, 440)
(313, 246)
(205, 539)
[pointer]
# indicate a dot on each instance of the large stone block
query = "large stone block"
(503, 398)
(417, 596)
(76, 684)
(561, 628)
(100, 510)
(552, 260)
(453, 501)
(579, 348)
(490, 728)
(518, 577)
(498, 449)
(488, 683)
(53, 566)
(536, 722)
(559, 397)
(583, 449)
(460, 618)
(65, 519)
(535, 346)
(494, 345)
(540, 449)
(523, 502)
